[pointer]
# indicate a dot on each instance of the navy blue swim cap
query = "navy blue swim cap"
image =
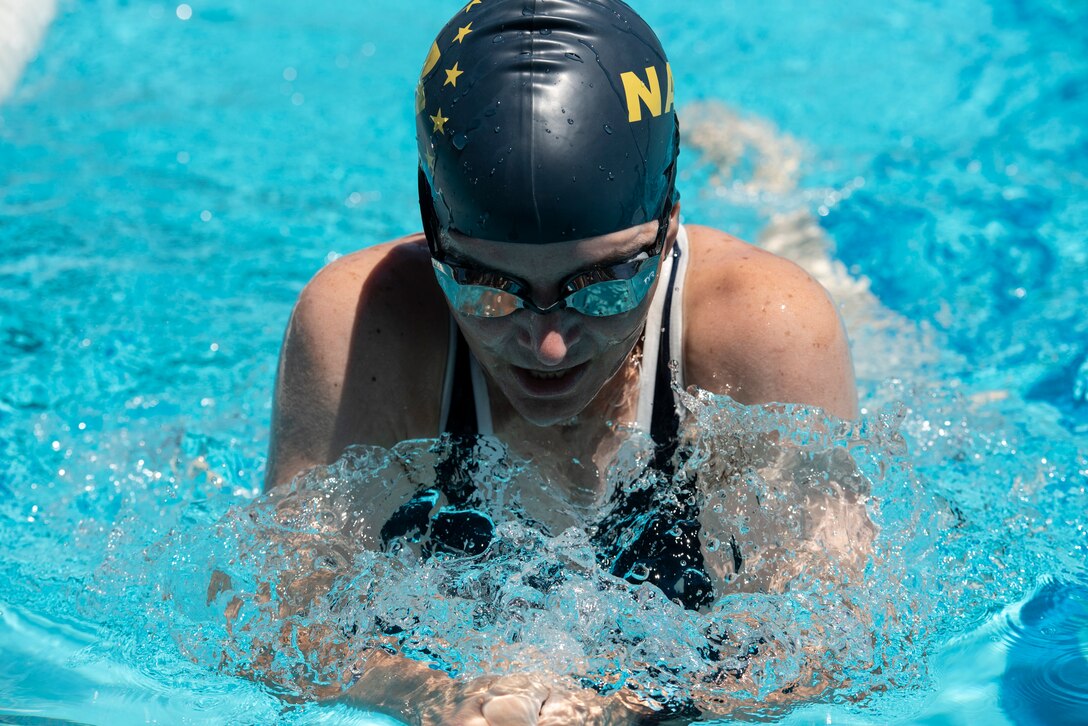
(545, 121)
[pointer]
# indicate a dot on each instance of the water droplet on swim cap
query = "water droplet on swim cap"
(510, 61)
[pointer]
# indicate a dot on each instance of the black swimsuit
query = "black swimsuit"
(663, 539)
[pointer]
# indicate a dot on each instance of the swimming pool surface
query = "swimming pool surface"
(171, 175)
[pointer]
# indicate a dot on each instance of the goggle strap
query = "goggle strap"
(429, 215)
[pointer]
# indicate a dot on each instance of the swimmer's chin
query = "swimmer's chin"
(558, 420)
(543, 413)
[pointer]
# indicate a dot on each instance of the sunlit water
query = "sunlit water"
(170, 176)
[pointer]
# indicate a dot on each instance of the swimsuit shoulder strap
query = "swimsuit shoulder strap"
(664, 343)
(466, 408)
(458, 416)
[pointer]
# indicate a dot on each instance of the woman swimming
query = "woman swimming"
(547, 303)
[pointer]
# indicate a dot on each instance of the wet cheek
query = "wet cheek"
(615, 331)
(489, 334)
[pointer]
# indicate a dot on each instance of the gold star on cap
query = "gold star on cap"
(473, 4)
(439, 122)
(462, 33)
(452, 75)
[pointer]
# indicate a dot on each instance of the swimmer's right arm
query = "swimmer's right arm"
(400, 687)
(412, 692)
(362, 359)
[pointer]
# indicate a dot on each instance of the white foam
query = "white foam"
(22, 26)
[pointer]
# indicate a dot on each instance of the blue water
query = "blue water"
(167, 186)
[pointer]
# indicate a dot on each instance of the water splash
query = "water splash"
(838, 542)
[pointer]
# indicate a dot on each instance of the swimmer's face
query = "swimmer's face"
(552, 366)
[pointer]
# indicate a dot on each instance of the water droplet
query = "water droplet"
(608, 129)
(498, 129)
(570, 122)
(545, 31)
(497, 39)
(459, 141)
(575, 57)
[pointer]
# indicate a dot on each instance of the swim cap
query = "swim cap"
(545, 121)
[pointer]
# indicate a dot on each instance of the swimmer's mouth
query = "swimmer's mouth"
(546, 375)
(549, 383)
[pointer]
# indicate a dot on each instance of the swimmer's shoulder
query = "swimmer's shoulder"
(761, 329)
(383, 296)
(367, 344)
(399, 265)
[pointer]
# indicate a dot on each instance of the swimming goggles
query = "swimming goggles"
(597, 292)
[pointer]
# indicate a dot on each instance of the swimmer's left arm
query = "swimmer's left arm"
(816, 528)
(760, 330)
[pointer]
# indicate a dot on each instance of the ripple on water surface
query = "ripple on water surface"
(1046, 681)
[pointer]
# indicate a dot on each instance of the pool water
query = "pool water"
(172, 174)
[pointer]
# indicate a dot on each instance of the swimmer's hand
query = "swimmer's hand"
(410, 691)
(522, 700)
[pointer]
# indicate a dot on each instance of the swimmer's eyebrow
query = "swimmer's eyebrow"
(464, 260)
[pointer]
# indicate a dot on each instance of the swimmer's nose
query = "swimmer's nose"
(550, 337)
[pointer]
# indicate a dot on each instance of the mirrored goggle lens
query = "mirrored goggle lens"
(479, 300)
(484, 302)
(614, 297)
(600, 299)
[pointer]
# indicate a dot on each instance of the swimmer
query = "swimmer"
(551, 289)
